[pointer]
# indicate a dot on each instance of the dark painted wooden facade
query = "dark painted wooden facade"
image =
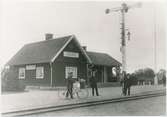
(61, 62)
(104, 74)
(30, 75)
(50, 55)
(58, 68)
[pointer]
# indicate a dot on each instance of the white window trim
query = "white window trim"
(71, 68)
(21, 69)
(42, 68)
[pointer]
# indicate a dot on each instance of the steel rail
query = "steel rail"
(83, 104)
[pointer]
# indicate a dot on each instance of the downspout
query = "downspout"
(87, 79)
(103, 75)
(51, 75)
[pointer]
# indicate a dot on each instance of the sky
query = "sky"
(26, 21)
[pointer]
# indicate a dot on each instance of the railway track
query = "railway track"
(84, 104)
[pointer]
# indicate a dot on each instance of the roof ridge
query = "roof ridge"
(96, 52)
(106, 55)
(43, 41)
(38, 50)
(101, 53)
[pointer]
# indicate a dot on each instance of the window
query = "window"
(21, 73)
(71, 69)
(39, 72)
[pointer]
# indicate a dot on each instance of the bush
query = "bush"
(10, 82)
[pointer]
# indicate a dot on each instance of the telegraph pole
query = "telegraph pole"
(123, 9)
(123, 38)
(155, 47)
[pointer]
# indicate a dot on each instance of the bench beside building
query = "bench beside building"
(47, 63)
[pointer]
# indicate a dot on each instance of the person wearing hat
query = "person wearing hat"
(70, 85)
(127, 84)
(93, 83)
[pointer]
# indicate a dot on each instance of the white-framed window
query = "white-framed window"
(21, 73)
(71, 69)
(39, 72)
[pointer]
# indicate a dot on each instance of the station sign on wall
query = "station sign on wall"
(71, 54)
(30, 67)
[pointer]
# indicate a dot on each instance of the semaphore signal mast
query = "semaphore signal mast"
(123, 9)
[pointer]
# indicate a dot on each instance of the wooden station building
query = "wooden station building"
(47, 63)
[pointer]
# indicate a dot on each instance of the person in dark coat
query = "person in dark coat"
(127, 84)
(164, 80)
(70, 85)
(93, 83)
(122, 81)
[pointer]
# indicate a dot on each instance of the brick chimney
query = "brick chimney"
(48, 36)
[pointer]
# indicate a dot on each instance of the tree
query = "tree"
(139, 73)
(144, 75)
(149, 73)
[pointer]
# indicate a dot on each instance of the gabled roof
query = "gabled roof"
(42, 52)
(47, 51)
(102, 59)
(39, 52)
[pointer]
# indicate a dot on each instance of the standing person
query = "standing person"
(164, 80)
(70, 85)
(122, 81)
(93, 83)
(127, 84)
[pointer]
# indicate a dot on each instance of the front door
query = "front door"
(30, 76)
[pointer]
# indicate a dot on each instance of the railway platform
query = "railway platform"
(36, 99)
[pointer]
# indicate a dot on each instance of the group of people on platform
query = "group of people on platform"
(126, 84)
(70, 83)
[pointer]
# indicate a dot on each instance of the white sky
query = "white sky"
(24, 22)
